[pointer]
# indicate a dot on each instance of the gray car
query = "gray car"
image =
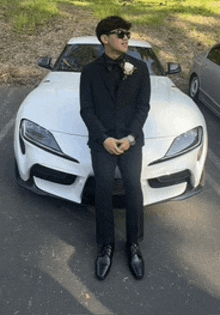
(204, 84)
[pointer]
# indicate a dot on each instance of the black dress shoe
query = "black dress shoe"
(135, 260)
(104, 261)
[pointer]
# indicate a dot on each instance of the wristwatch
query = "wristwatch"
(131, 139)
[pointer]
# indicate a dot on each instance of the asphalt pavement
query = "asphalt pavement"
(48, 246)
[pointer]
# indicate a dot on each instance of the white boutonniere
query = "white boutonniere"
(128, 69)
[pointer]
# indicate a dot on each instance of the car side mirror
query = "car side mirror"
(173, 68)
(45, 62)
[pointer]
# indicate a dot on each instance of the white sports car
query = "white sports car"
(50, 140)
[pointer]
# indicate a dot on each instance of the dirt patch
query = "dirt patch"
(19, 53)
(175, 41)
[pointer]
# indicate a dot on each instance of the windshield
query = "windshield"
(75, 57)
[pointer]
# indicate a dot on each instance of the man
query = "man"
(114, 99)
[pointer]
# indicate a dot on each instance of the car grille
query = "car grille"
(52, 175)
(88, 195)
(169, 180)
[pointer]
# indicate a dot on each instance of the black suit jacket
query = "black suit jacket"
(108, 115)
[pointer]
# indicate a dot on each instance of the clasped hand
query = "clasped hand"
(115, 146)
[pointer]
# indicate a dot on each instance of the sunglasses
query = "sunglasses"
(121, 34)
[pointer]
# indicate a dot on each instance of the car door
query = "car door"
(210, 76)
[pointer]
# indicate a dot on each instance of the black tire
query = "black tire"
(194, 87)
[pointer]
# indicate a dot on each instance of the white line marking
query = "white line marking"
(55, 260)
(7, 101)
(7, 128)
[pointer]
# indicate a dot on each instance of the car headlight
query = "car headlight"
(39, 136)
(183, 144)
(42, 138)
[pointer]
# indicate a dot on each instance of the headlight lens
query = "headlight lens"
(185, 142)
(39, 136)
(182, 144)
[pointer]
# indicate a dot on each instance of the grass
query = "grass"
(153, 11)
(28, 15)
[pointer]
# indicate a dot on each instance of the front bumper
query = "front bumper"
(88, 197)
(46, 174)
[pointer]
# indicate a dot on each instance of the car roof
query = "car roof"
(94, 40)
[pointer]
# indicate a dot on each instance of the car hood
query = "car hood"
(54, 105)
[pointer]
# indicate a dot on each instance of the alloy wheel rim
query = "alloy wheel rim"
(194, 87)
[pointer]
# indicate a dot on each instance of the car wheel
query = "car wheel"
(194, 87)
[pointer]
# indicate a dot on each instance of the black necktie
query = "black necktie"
(115, 67)
(112, 64)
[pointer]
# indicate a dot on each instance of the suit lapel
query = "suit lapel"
(126, 85)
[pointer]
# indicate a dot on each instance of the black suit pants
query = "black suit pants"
(104, 165)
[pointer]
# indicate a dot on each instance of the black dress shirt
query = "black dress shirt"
(115, 68)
